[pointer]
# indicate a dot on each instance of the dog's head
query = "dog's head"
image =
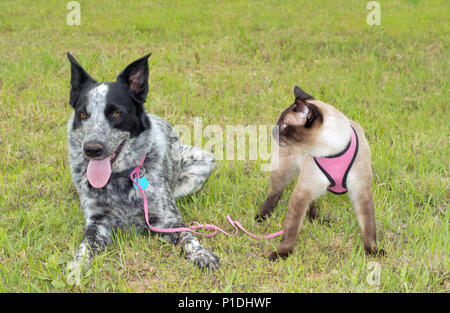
(107, 115)
(299, 123)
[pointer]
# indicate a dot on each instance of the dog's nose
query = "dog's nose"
(93, 149)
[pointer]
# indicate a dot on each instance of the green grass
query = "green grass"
(232, 62)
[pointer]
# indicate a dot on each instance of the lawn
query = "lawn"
(230, 63)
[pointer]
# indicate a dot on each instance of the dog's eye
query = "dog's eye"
(83, 115)
(115, 114)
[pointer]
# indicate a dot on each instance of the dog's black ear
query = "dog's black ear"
(300, 94)
(79, 79)
(135, 76)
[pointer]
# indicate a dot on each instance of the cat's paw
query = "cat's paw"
(276, 255)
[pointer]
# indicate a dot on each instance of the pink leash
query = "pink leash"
(195, 225)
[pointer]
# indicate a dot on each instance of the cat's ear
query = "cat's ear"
(300, 94)
(79, 79)
(299, 116)
(306, 113)
(135, 76)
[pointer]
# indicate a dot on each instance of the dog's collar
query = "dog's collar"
(336, 167)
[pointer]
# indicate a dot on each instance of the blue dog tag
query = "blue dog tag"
(143, 182)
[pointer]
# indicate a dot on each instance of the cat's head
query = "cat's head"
(300, 122)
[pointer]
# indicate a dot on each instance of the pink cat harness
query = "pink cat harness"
(336, 167)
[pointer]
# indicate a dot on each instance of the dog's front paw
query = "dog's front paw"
(73, 273)
(204, 258)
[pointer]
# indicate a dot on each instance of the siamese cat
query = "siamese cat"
(328, 152)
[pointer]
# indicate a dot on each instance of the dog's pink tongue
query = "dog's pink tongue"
(98, 172)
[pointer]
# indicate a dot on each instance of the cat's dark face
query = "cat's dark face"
(299, 122)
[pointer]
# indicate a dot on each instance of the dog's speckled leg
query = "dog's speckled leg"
(97, 235)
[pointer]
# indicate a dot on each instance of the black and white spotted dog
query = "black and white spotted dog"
(108, 135)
